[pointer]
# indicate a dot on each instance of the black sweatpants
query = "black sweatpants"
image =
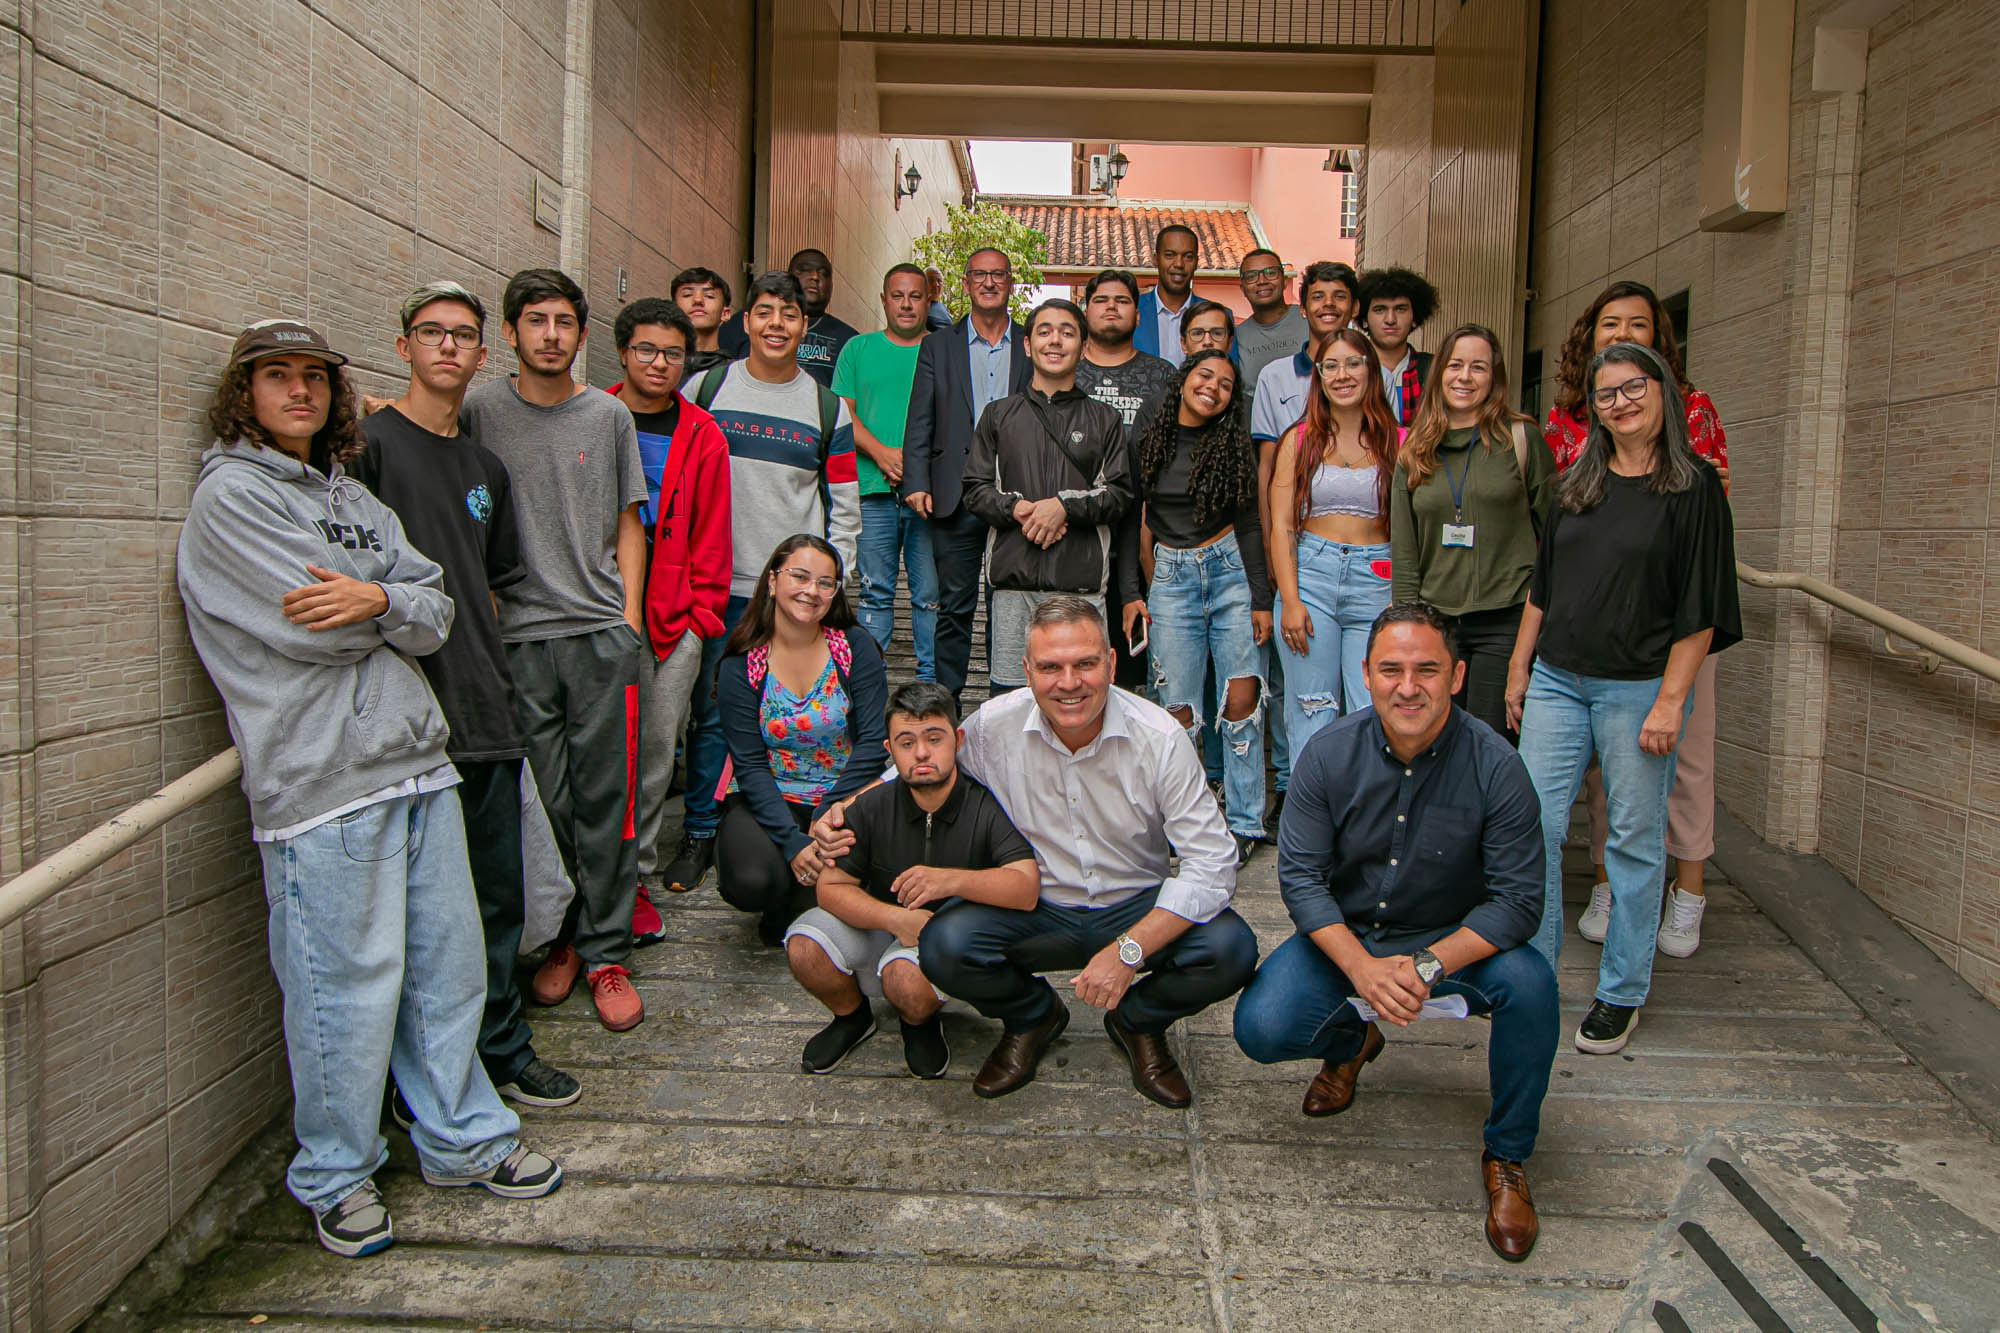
(752, 872)
(489, 795)
(578, 698)
(1485, 643)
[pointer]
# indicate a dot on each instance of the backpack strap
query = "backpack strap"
(1521, 449)
(710, 385)
(829, 418)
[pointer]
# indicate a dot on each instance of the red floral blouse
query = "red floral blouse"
(1565, 433)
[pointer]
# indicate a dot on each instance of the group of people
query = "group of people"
(1170, 515)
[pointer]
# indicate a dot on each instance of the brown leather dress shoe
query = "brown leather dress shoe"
(1332, 1089)
(1012, 1063)
(1511, 1225)
(1155, 1072)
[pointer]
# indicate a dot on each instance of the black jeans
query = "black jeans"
(1485, 643)
(989, 957)
(489, 795)
(752, 872)
(958, 546)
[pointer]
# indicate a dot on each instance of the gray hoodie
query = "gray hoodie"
(321, 717)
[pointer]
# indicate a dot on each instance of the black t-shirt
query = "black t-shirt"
(454, 500)
(892, 833)
(825, 336)
(1170, 512)
(1620, 584)
(1134, 389)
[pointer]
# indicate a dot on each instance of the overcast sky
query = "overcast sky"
(1012, 166)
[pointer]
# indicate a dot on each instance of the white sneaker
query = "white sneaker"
(1680, 933)
(1596, 918)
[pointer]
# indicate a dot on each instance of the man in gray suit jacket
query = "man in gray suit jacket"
(960, 371)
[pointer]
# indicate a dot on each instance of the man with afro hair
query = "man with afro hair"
(1395, 303)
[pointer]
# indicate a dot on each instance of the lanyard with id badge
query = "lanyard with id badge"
(1458, 532)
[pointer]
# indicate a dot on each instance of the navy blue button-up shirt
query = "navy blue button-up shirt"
(1405, 854)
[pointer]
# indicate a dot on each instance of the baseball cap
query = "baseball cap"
(281, 337)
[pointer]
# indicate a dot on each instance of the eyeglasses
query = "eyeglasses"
(1274, 271)
(801, 579)
(1634, 391)
(1353, 365)
(988, 274)
(1207, 337)
(433, 335)
(647, 354)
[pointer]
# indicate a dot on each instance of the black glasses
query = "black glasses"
(1274, 271)
(988, 274)
(647, 354)
(433, 335)
(1634, 391)
(1207, 337)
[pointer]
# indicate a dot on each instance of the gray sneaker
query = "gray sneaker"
(526, 1174)
(357, 1225)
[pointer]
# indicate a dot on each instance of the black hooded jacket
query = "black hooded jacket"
(1031, 446)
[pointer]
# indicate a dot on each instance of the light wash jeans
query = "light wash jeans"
(376, 942)
(1565, 719)
(892, 532)
(1343, 588)
(1200, 608)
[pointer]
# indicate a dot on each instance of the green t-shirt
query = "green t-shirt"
(876, 374)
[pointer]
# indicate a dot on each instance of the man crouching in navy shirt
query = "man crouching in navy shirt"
(1410, 859)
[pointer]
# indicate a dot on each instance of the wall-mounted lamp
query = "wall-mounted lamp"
(904, 182)
(1339, 161)
(1106, 172)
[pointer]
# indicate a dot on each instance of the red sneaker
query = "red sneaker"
(556, 977)
(618, 1005)
(647, 928)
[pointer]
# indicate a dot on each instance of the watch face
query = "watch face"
(1129, 953)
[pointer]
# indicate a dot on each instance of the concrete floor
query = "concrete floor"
(712, 1186)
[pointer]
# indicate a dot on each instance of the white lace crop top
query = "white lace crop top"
(1344, 490)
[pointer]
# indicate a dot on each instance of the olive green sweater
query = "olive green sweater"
(1506, 516)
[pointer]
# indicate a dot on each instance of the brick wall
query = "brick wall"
(1850, 348)
(169, 172)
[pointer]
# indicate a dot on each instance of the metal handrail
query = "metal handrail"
(44, 879)
(39, 882)
(1934, 648)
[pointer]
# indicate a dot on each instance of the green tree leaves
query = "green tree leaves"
(983, 227)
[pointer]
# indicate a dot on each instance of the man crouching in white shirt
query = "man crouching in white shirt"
(1105, 787)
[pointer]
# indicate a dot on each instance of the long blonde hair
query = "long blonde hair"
(1419, 454)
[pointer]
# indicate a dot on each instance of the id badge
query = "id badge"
(1458, 534)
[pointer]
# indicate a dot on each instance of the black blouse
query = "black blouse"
(1620, 584)
(1169, 512)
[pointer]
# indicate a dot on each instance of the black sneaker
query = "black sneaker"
(1606, 1028)
(398, 1109)
(526, 1174)
(1245, 845)
(690, 865)
(357, 1225)
(925, 1050)
(541, 1084)
(831, 1044)
(1277, 811)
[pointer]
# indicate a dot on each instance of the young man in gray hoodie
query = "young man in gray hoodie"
(306, 603)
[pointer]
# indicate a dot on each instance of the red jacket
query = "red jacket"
(687, 586)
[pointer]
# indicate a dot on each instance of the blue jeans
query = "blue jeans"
(891, 532)
(707, 747)
(989, 957)
(376, 943)
(1565, 719)
(1296, 1007)
(1343, 594)
(1200, 609)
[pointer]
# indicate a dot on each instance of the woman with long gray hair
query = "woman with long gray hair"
(1634, 587)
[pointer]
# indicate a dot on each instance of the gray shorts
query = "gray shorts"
(1007, 633)
(861, 954)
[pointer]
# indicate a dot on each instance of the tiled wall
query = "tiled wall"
(1861, 427)
(1396, 169)
(169, 172)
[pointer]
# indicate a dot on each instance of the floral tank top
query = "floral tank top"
(805, 735)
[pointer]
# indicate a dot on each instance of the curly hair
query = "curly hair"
(1318, 432)
(1581, 345)
(1397, 283)
(1222, 471)
(1419, 454)
(232, 416)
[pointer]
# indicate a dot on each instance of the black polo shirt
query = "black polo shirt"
(892, 833)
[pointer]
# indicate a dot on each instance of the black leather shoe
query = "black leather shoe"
(1012, 1063)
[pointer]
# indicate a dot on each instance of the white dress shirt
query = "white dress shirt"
(1104, 820)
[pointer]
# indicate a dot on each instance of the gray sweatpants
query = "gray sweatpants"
(666, 690)
(578, 698)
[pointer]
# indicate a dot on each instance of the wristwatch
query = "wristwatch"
(1429, 969)
(1129, 951)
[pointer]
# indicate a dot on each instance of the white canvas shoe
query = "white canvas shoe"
(1596, 918)
(1680, 933)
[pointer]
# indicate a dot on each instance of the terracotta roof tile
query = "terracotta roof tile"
(1089, 234)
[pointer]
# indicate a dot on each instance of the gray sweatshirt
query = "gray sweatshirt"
(321, 717)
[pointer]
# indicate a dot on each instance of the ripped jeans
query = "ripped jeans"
(1200, 608)
(1343, 587)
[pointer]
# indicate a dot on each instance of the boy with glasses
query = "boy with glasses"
(456, 504)
(1275, 327)
(686, 517)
